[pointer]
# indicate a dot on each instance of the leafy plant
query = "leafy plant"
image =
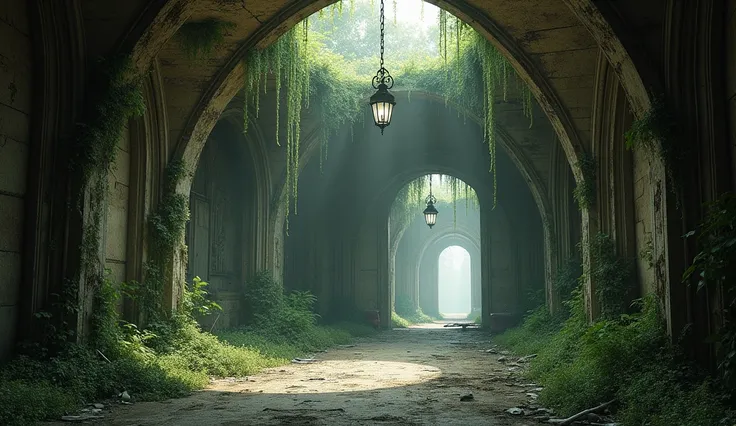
(613, 276)
(585, 192)
(714, 267)
(628, 358)
(198, 39)
(659, 134)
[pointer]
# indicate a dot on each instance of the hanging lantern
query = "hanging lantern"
(382, 102)
(430, 213)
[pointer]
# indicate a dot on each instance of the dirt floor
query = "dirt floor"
(413, 376)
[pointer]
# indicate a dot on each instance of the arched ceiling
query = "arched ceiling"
(553, 45)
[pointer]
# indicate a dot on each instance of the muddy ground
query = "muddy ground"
(413, 376)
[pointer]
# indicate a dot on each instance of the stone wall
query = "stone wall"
(116, 224)
(15, 109)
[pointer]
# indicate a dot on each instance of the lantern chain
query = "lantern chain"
(382, 77)
(431, 198)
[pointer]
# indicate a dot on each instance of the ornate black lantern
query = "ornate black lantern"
(382, 102)
(430, 213)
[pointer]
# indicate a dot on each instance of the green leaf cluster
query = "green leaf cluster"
(199, 39)
(660, 135)
(714, 268)
(613, 276)
(585, 191)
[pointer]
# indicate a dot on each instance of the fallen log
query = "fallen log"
(569, 420)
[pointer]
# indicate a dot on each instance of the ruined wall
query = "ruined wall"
(15, 109)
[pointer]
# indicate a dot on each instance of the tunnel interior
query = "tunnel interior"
(197, 191)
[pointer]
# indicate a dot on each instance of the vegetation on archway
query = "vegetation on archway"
(469, 73)
(411, 199)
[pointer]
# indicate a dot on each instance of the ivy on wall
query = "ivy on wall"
(166, 229)
(198, 39)
(612, 275)
(585, 191)
(658, 134)
(112, 100)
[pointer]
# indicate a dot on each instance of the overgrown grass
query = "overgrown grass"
(405, 311)
(398, 321)
(629, 359)
(169, 359)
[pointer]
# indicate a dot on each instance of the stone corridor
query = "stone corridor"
(146, 143)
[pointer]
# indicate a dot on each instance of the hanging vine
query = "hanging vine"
(199, 38)
(411, 199)
(471, 75)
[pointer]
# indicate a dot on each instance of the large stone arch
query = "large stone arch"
(227, 82)
(157, 25)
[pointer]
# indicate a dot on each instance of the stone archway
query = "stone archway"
(426, 281)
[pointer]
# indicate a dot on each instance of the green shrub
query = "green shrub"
(398, 322)
(404, 308)
(25, 402)
(629, 359)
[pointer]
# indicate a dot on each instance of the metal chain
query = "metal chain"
(381, 34)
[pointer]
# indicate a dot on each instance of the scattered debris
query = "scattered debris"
(581, 414)
(317, 378)
(303, 360)
(341, 410)
(526, 358)
(81, 417)
(388, 418)
(464, 325)
(468, 397)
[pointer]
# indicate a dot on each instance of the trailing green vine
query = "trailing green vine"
(113, 98)
(585, 192)
(470, 74)
(714, 268)
(410, 200)
(166, 229)
(658, 134)
(199, 39)
(612, 275)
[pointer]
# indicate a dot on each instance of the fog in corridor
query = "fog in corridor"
(454, 282)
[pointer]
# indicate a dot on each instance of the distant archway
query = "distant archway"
(454, 282)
